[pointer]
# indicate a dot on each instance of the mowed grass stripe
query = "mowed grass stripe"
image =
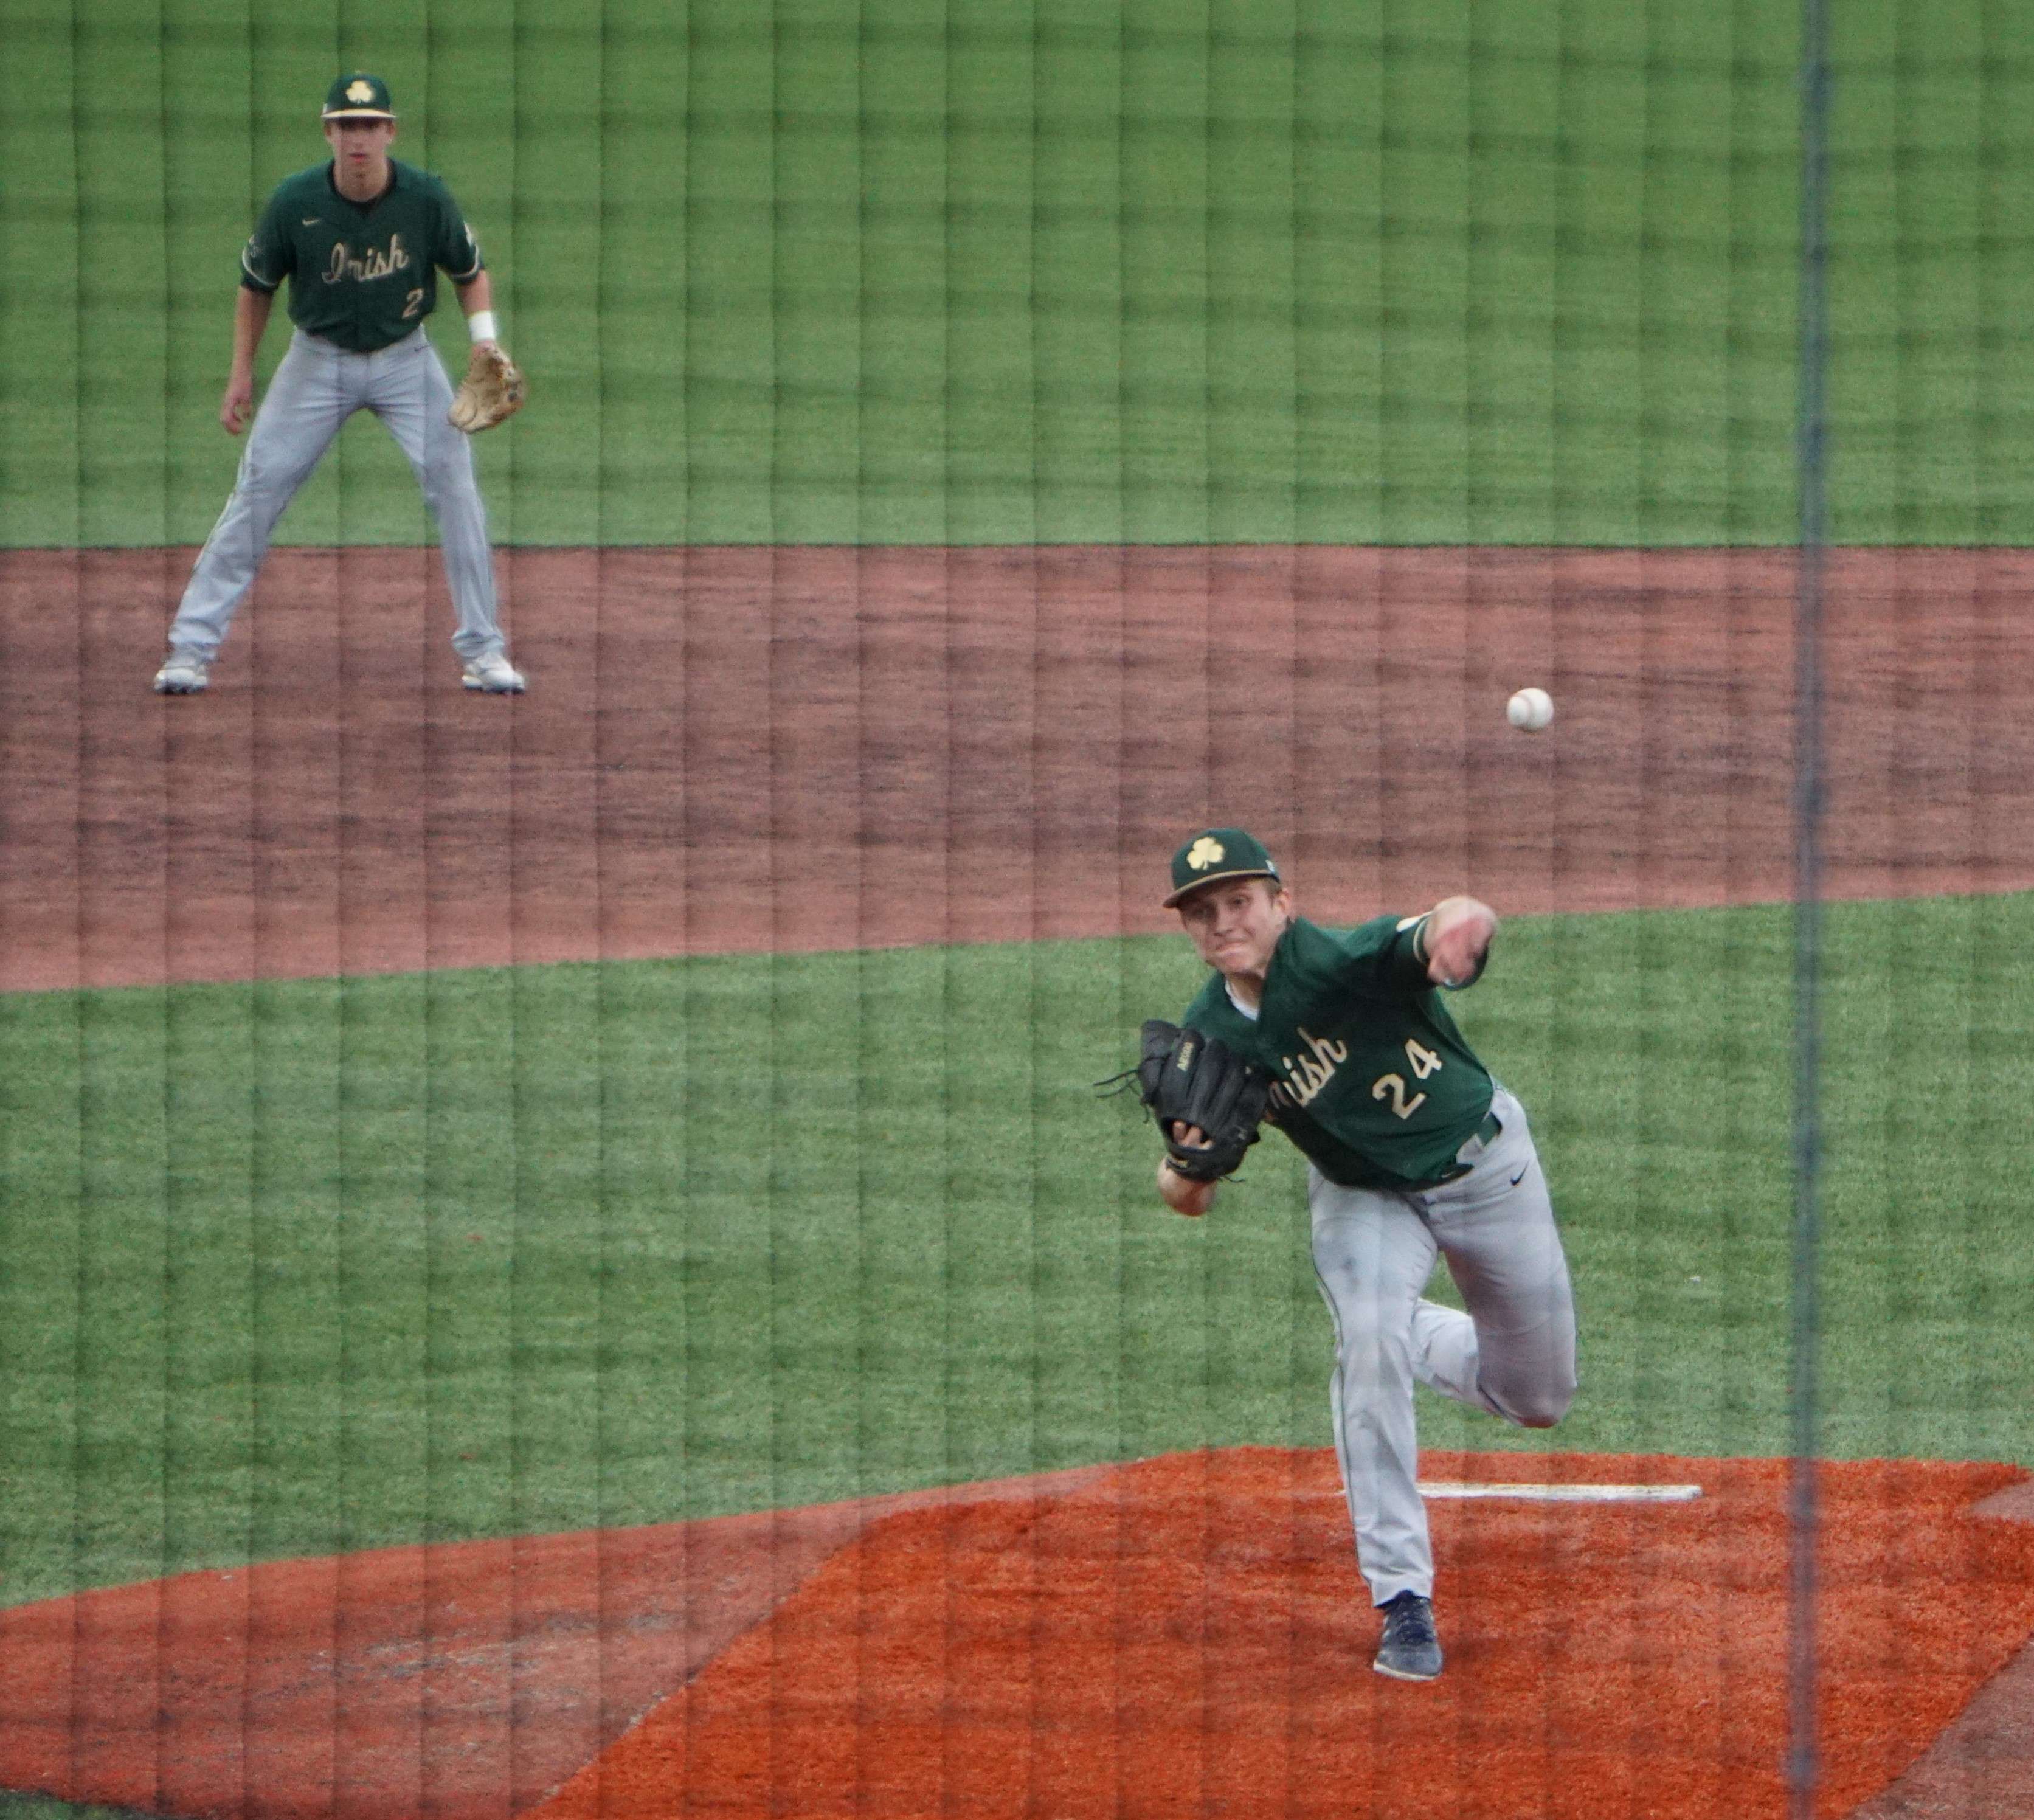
(303, 1267)
(1248, 270)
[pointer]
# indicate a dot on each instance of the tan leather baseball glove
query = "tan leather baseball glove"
(491, 390)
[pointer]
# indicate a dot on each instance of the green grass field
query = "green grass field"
(14, 1806)
(1401, 271)
(297, 1268)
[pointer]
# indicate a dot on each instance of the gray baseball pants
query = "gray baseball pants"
(317, 388)
(1512, 1353)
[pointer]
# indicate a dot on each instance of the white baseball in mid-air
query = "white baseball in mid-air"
(1530, 709)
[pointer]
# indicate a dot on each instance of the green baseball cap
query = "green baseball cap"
(1216, 854)
(358, 96)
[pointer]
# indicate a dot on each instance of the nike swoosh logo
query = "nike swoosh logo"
(312, 220)
(1521, 1177)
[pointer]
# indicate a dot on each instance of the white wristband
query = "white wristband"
(480, 325)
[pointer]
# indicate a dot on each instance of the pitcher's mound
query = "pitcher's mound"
(1188, 1636)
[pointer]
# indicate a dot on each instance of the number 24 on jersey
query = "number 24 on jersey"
(1423, 1062)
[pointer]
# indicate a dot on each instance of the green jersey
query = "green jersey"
(1373, 1082)
(362, 274)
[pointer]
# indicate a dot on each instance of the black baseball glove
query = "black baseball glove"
(1186, 1078)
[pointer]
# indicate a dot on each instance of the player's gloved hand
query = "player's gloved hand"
(491, 390)
(1198, 1088)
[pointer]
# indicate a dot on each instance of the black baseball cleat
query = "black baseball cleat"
(1409, 1650)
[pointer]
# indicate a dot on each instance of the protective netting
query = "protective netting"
(491, 1186)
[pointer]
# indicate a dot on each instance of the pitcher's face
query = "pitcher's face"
(1236, 925)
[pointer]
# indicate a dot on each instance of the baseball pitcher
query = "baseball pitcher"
(360, 240)
(1341, 1040)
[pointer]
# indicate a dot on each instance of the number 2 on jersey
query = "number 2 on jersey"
(1395, 1086)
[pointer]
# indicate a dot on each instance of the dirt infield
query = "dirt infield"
(1184, 1635)
(744, 749)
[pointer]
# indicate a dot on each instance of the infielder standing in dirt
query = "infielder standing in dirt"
(360, 239)
(1415, 1152)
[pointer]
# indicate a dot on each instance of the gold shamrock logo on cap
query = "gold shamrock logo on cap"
(361, 92)
(1204, 853)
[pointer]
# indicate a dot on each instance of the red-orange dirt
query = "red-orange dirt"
(1187, 1636)
(823, 748)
